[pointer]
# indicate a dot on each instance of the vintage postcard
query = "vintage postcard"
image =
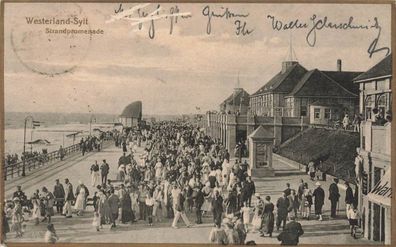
(197, 123)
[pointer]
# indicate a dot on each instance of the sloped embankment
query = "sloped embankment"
(336, 148)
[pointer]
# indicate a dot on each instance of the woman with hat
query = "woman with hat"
(267, 225)
(17, 217)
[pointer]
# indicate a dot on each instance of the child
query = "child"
(245, 210)
(96, 221)
(50, 234)
(149, 208)
(353, 216)
(95, 199)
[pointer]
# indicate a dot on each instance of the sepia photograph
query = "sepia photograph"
(197, 123)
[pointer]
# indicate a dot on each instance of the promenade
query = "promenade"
(80, 229)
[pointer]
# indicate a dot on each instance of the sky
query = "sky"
(171, 73)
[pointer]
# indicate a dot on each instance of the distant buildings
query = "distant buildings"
(238, 101)
(321, 96)
(373, 165)
(131, 116)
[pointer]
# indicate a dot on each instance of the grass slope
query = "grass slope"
(336, 148)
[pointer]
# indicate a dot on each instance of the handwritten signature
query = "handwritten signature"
(137, 16)
(324, 23)
(226, 13)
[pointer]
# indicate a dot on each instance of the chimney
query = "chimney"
(287, 64)
(339, 65)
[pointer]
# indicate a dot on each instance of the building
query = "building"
(269, 100)
(373, 164)
(293, 91)
(131, 116)
(238, 101)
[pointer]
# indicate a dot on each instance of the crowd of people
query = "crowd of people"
(182, 172)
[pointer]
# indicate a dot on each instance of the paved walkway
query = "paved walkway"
(80, 229)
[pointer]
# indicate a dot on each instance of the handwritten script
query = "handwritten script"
(318, 24)
(137, 16)
(227, 14)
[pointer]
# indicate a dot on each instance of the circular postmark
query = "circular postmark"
(49, 42)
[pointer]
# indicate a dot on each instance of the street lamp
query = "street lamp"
(24, 143)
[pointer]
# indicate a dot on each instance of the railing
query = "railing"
(15, 170)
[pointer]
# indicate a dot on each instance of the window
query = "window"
(369, 85)
(316, 113)
(327, 113)
(369, 105)
(382, 85)
(303, 111)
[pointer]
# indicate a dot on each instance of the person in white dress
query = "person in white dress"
(79, 206)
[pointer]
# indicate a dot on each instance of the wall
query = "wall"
(225, 127)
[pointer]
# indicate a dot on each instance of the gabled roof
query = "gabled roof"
(345, 79)
(383, 68)
(236, 97)
(262, 133)
(283, 82)
(133, 110)
(317, 83)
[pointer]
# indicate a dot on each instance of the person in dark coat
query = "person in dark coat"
(334, 196)
(217, 207)
(198, 202)
(244, 194)
(287, 190)
(291, 233)
(319, 195)
(282, 204)
(21, 195)
(104, 170)
(114, 204)
(59, 194)
(250, 188)
(349, 198)
(232, 202)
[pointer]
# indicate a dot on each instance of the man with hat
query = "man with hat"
(291, 233)
(69, 197)
(59, 194)
(104, 169)
(319, 195)
(20, 195)
(349, 198)
(334, 196)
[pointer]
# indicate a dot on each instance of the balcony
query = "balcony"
(376, 138)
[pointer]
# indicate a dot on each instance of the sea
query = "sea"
(55, 129)
(54, 136)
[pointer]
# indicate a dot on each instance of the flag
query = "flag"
(36, 124)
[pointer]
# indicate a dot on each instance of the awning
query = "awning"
(382, 191)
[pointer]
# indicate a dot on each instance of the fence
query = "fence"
(15, 170)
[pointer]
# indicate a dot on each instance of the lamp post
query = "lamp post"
(24, 144)
(90, 123)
